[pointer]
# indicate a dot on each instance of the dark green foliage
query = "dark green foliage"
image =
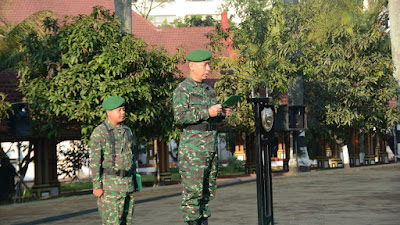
(73, 68)
(235, 163)
(242, 118)
(340, 48)
(350, 79)
(268, 47)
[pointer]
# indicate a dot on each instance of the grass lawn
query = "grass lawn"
(230, 170)
(74, 186)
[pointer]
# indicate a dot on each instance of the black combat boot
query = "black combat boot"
(203, 221)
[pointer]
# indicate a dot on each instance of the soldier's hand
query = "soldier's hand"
(227, 111)
(98, 192)
(214, 110)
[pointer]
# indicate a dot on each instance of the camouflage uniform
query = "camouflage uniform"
(197, 156)
(116, 204)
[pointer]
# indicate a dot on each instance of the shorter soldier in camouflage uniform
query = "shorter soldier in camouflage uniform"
(113, 165)
(197, 110)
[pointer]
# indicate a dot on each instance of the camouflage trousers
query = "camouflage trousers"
(198, 170)
(116, 208)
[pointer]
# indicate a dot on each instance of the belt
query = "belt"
(201, 127)
(120, 173)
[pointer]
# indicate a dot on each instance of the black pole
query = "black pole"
(268, 143)
(264, 145)
(259, 169)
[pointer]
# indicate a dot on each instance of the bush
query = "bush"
(235, 163)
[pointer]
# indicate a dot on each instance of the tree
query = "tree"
(73, 68)
(353, 69)
(269, 41)
(67, 71)
(11, 53)
(267, 49)
(341, 49)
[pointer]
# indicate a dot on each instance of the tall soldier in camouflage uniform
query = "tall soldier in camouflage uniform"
(113, 165)
(197, 110)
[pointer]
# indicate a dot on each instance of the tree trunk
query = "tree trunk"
(123, 11)
(46, 178)
(155, 156)
(163, 162)
(394, 17)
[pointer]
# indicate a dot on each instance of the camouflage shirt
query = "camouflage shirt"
(191, 101)
(101, 157)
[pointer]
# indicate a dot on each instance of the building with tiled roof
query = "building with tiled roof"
(15, 11)
(189, 38)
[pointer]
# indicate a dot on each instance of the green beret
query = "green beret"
(113, 102)
(199, 55)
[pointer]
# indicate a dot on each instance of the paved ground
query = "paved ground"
(357, 196)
